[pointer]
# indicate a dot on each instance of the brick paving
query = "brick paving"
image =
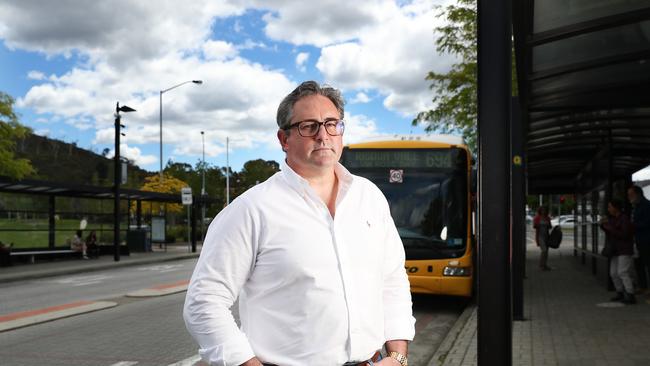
(569, 321)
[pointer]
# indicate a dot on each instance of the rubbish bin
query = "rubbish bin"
(136, 240)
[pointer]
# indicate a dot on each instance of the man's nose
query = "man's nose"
(322, 133)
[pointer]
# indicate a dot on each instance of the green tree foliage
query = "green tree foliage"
(257, 171)
(455, 91)
(11, 131)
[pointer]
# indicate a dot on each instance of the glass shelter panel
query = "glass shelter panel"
(550, 14)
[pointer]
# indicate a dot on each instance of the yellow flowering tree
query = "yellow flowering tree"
(169, 185)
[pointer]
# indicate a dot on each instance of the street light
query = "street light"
(161, 114)
(228, 170)
(203, 187)
(227, 173)
(118, 179)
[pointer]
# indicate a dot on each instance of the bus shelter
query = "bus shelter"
(580, 125)
(54, 190)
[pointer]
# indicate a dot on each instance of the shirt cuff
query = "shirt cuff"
(234, 352)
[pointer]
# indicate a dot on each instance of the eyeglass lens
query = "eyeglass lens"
(310, 128)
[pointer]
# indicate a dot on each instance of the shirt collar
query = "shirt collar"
(301, 184)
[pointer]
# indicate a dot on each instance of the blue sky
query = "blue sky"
(68, 62)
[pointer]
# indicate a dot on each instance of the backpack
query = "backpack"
(555, 238)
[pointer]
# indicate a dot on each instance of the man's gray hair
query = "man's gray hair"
(285, 110)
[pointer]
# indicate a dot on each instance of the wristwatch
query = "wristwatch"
(399, 357)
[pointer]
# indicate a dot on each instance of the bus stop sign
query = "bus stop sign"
(186, 195)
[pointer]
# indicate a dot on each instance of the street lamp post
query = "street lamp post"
(227, 173)
(203, 195)
(118, 179)
(161, 119)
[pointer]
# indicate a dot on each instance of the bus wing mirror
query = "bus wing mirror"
(443, 233)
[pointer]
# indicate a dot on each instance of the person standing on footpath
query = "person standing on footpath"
(542, 226)
(618, 230)
(312, 254)
(641, 224)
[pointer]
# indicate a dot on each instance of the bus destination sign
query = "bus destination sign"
(402, 158)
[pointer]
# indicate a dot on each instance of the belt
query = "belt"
(375, 358)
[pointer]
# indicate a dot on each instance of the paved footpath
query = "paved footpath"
(569, 321)
(44, 268)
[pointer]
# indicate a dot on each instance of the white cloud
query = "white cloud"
(81, 124)
(301, 58)
(134, 154)
(225, 102)
(360, 98)
(128, 51)
(120, 30)
(322, 22)
(35, 75)
(392, 62)
(359, 127)
(219, 50)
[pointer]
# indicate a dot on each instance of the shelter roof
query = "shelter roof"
(583, 71)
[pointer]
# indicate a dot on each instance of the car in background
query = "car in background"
(529, 219)
(565, 221)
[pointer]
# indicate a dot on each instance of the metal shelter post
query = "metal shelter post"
(494, 282)
(138, 213)
(51, 208)
(193, 225)
(116, 188)
(518, 210)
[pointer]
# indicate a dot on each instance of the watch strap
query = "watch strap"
(399, 358)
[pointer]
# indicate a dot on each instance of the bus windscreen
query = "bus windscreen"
(428, 202)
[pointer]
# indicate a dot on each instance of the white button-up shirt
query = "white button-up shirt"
(313, 290)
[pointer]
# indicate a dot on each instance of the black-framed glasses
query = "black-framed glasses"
(310, 127)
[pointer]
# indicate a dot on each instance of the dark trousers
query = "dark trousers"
(642, 265)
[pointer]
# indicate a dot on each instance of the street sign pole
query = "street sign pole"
(186, 198)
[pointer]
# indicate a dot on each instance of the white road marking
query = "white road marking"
(86, 283)
(81, 280)
(188, 361)
(162, 268)
(125, 363)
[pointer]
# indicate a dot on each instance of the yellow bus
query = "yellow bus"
(426, 180)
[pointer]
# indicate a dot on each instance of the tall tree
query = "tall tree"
(10, 131)
(455, 91)
(257, 171)
(169, 184)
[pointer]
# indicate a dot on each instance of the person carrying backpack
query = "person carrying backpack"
(542, 225)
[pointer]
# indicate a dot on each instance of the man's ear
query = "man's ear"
(282, 138)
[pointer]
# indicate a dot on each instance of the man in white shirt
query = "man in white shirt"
(312, 253)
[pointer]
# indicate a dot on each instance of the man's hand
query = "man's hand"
(252, 362)
(388, 361)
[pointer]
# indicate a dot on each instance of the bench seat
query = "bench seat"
(33, 253)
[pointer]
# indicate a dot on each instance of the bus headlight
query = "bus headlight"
(457, 271)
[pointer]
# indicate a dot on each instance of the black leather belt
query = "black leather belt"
(375, 358)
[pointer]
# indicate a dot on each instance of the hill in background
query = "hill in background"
(59, 161)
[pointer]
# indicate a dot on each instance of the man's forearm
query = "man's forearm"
(399, 346)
